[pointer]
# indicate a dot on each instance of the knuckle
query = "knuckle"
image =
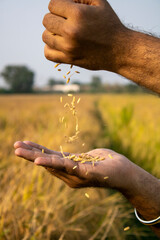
(69, 48)
(50, 6)
(79, 13)
(71, 32)
(18, 151)
(48, 39)
(44, 36)
(45, 19)
(47, 54)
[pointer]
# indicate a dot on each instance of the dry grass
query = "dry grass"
(33, 204)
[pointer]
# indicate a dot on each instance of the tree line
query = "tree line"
(20, 79)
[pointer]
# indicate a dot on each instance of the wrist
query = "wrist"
(122, 50)
(118, 51)
(121, 179)
(143, 192)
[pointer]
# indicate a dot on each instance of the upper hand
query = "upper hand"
(115, 166)
(84, 33)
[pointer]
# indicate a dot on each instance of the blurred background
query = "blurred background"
(126, 118)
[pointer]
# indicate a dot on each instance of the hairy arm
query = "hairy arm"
(89, 34)
(139, 59)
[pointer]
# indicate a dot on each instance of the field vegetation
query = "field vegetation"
(36, 206)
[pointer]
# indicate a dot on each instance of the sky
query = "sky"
(21, 35)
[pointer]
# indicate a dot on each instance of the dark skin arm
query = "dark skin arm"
(88, 33)
(138, 186)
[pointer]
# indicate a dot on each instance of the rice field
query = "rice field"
(34, 205)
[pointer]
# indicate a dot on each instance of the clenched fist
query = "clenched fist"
(86, 33)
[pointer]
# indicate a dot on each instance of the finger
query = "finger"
(46, 150)
(23, 145)
(40, 147)
(20, 144)
(54, 24)
(53, 41)
(30, 155)
(55, 55)
(58, 163)
(54, 162)
(61, 7)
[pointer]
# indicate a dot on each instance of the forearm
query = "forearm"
(144, 194)
(138, 59)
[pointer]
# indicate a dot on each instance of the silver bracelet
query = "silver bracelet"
(151, 222)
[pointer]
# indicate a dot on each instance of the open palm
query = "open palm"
(111, 172)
